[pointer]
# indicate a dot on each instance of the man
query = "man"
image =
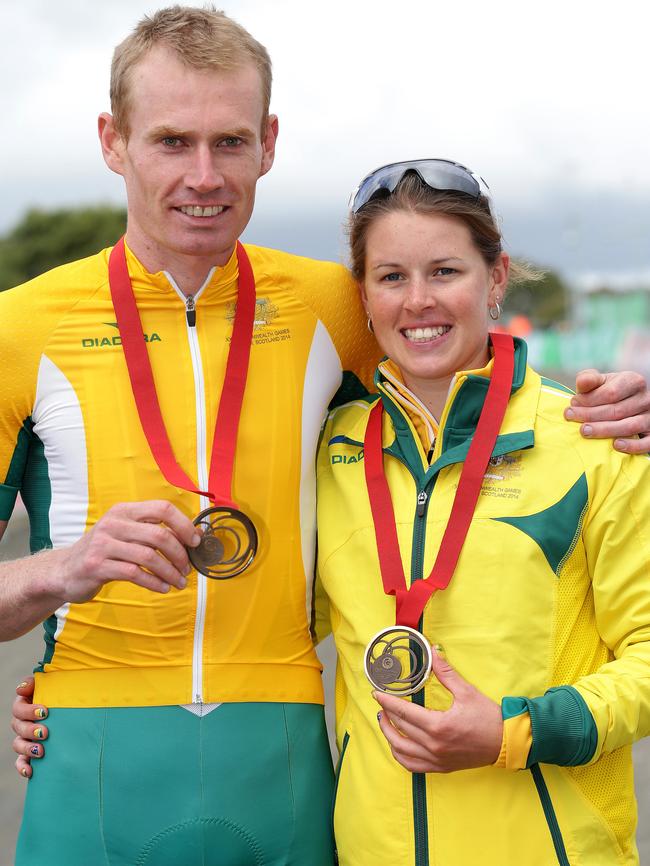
(132, 631)
(130, 625)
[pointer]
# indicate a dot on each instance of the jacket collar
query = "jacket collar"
(460, 417)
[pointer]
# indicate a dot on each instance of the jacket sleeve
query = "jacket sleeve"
(576, 723)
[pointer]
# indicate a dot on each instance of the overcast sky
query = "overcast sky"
(548, 101)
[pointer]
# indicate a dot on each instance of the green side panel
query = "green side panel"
(557, 385)
(556, 529)
(14, 478)
(339, 766)
(551, 819)
(351, 388)
(564, 731)
(511, 707)
(37, 495)
(49, 630)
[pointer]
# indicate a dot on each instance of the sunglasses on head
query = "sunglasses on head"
(439, 174)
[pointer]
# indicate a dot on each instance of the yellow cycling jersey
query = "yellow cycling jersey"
(71, 443)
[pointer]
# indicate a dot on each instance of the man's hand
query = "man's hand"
(27, 724)
(467, 735)
(140, 542)
(613, 406)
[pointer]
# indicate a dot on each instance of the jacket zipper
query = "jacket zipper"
(419, 783)
(202, 473)
(190, 311)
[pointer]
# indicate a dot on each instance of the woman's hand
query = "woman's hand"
(613, 406)
(467, 735)
(28, 726)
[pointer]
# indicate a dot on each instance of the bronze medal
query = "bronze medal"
(398, 660)
(228, 545)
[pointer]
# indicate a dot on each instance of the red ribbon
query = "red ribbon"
(412, 601)
(144, 388)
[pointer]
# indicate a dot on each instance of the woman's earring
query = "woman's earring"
(369, 324)
(495, 311)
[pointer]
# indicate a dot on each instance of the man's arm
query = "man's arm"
(613, 406)
(141, 542)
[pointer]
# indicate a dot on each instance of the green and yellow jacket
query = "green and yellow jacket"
(548, 613)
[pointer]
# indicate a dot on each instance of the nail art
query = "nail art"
(39, 733)
(40, 713)
(25, 772)
(23, 684)
(35, 751)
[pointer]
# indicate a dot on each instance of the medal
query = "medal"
(228, 545)
(229, 542)
(398, 658)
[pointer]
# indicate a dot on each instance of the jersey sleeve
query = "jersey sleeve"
(576, 723)
(334, 297)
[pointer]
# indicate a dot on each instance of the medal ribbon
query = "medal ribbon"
(144, 387)
(412, 601)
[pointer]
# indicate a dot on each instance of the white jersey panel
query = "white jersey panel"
(58, 423)
(323, 375)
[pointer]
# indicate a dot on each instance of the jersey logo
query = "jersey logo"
(265, 313)
(115, 339)
(503, 473)
(354, 452)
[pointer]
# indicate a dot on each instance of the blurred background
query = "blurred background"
(547, 102)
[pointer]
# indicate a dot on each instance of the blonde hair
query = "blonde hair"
(202, 38)
(412, 194)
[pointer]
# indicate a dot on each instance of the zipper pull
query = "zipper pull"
(190, 311)
(422, 501)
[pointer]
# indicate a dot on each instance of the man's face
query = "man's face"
(193, 157)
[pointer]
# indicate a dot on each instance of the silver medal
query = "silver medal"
(398, 660)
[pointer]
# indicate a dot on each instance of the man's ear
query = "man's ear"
(112, 143)
(268, 143)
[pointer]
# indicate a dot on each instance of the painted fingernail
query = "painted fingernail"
(35, 750)
(39, 733)
(379, 715)
(25, 772)
(569, 414)
(22, 685)
(40, 713)
(587, 429)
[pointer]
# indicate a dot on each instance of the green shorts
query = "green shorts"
(246, 784)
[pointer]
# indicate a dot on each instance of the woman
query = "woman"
(518, 748)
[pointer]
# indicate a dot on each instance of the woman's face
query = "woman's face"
(427, 289)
